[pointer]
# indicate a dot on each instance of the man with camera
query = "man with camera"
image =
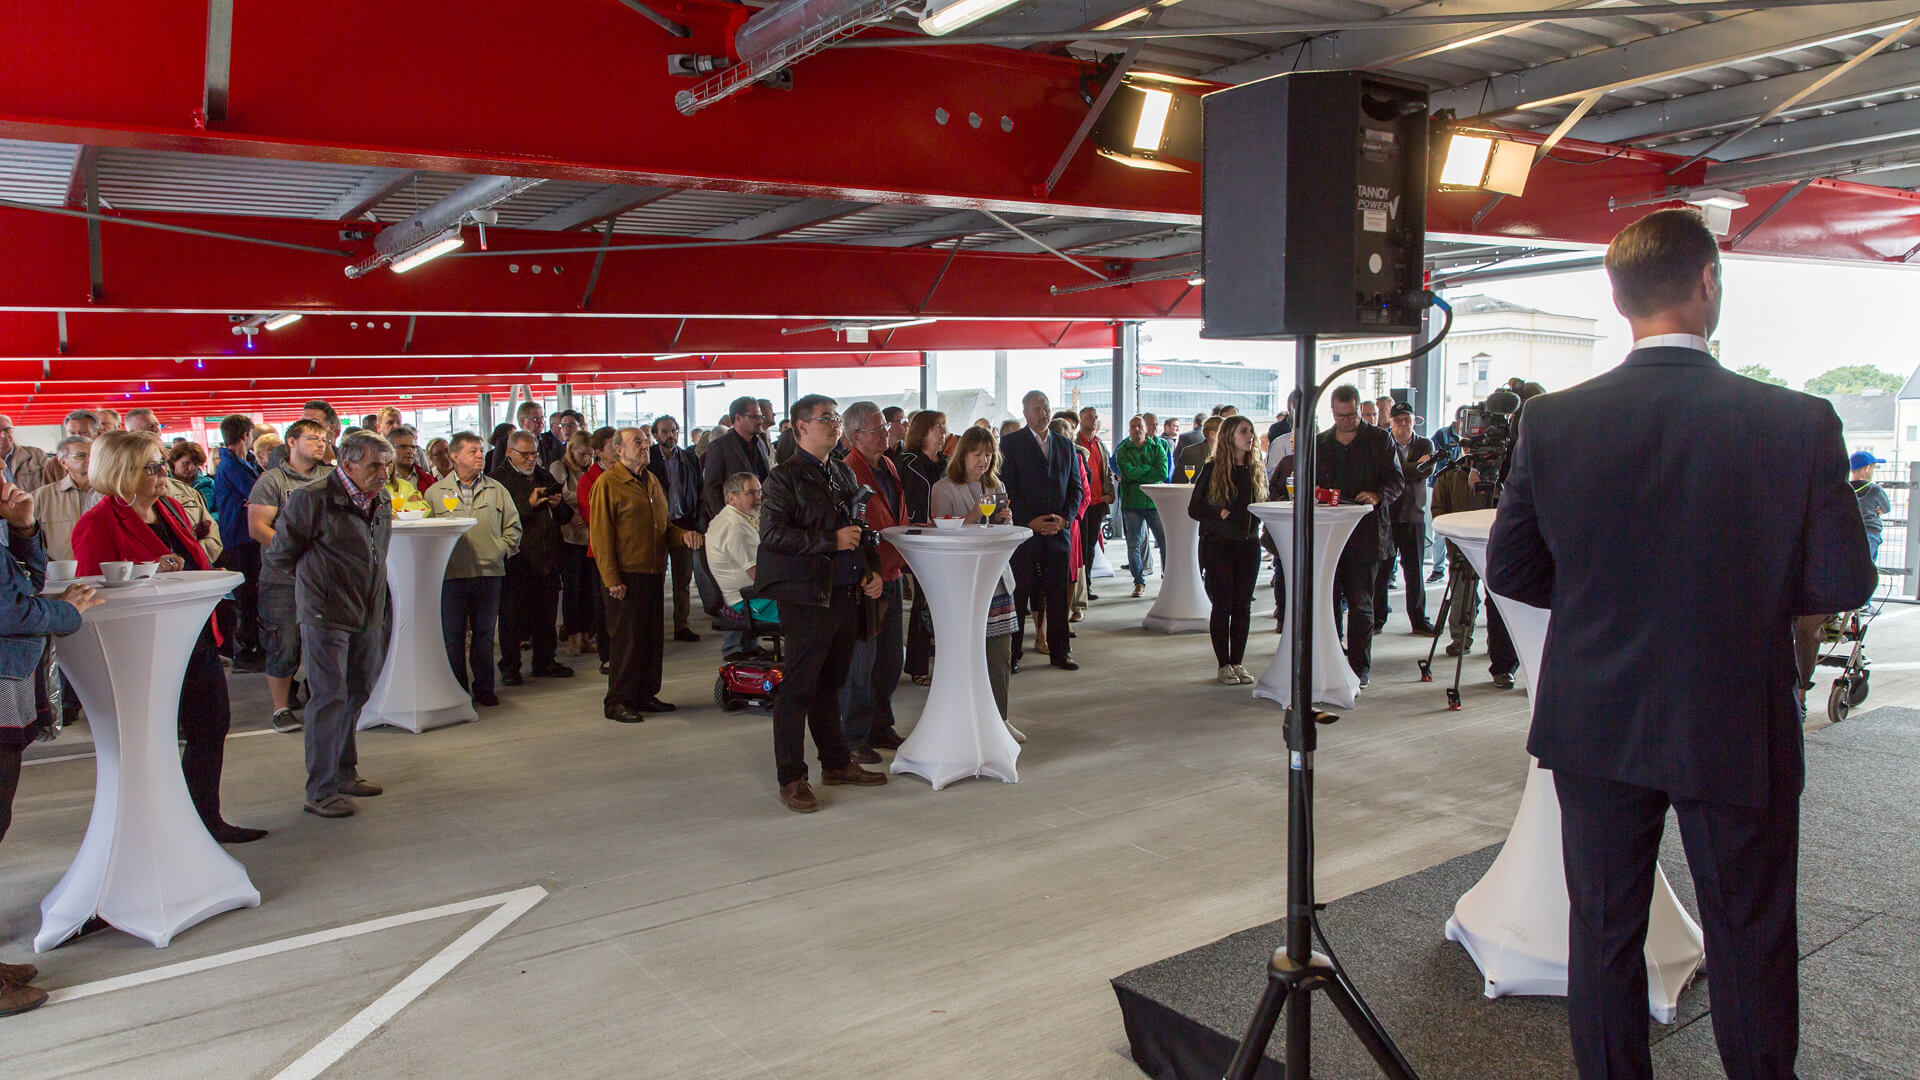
(1409, 529)
(1675, 675)
(1358, 460)
(817, 564)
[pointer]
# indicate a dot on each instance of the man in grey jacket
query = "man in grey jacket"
(330, 539)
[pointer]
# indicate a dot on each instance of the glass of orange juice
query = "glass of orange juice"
(1189, 474)
(451, 502)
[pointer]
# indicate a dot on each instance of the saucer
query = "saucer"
(124, 584)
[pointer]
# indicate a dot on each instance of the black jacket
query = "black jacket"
(802, 506)
(335, 554)
(1411, 506)
(1239, 524)
(540, 541)
(1369, 463)
(682, 478)
(1675, 517)
(918, 474)
(1034, 488)
(727, 454)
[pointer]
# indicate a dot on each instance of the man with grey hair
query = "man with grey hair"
(24, 467)
(678, 470)
(143, 419)
(330, 539)
(733, 552)
(77, 422)
(530, 593)
(62, 503)
(866, 698)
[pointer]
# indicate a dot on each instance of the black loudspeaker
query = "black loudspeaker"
(1314, 203)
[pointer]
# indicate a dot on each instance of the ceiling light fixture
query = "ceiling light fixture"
(1717, 206)
(900, 323)
(1122, 19)
(432, 249)
(945, 18)
(1483, 161)
(285, 318)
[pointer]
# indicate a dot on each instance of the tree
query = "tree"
(1761, 372)
(1854, 379)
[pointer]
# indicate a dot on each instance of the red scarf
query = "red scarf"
(112, 532)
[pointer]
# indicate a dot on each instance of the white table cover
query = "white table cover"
(1514, 921)
(1182, 604)
(147, 865)
(1334, 682)
(960, 733)
(416, 690)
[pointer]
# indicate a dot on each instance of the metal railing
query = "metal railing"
(1899, 557)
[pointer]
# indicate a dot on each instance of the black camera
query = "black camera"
(1486, 438)
(857, 511)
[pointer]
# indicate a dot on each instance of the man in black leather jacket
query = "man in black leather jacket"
(815, 566)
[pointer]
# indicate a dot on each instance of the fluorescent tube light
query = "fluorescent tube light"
(433, 249)
(285, 318)
(1153, 119)
(900, 323)
(946, 18)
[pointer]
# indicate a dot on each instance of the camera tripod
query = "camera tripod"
(1460, 659)
(1297, 971)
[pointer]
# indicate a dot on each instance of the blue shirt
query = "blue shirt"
(232, 482)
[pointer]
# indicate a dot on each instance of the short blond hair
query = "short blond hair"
(119, 457)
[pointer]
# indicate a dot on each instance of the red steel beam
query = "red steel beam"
(47, 270)
(581, 93)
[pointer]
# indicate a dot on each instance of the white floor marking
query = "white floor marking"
(85, 756)
(507, 906)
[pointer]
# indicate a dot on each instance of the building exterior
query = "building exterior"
(1493, 340)
(1173, 388)
(1867, 422)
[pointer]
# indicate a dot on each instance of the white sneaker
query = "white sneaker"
(1018, 735)
(1227, 676)
(1241, 674)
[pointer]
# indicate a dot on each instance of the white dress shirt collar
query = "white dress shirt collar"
(1673, 341)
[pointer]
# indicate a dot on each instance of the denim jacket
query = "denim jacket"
(26, 619)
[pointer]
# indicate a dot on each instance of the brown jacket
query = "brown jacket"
(630, 528)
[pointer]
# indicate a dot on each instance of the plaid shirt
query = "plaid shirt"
(361, 499)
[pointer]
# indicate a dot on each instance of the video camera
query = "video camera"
(1486, 438)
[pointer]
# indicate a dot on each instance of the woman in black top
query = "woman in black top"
(921, 461)
(1227, 484)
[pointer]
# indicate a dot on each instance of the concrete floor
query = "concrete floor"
(692, 927)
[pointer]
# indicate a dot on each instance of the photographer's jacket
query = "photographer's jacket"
(1368, 463)
(804, 503)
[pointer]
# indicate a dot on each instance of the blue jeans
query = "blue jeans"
(1138, 522)
(866, 698)
(1873, 548)
(469, 608)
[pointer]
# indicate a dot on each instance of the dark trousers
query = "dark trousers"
(1353, 583)
(1279, 579)
(1744, 862)
(635, 641)
(873, 673)
(528, 605)
(819, 645)
(342, 666)
(1409, 542)
(1230, 569)
(469, 609)
(1040, 577)
(204, 719)
(1090, 535)
(919, 634)
(245, 560)
(680, 565)
(579, 581)
(9, 782)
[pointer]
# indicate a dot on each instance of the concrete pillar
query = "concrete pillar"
(1425, 377)
(563, 397)
(688, 421)
(930, 381)
(606, 409)
(790, 386)
(1000, 398)
(485, 406)
(1126, 392)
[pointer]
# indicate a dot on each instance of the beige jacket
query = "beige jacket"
(189, 497)
(59, 505)
(483, 550)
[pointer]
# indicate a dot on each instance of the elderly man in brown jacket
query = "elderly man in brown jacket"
(631, 532)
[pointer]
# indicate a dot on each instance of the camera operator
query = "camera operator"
(816, 564)
(1459, 489)
(1358, 460)
(1671, 675)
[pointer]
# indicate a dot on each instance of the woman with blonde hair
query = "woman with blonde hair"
(136, 521)
(973, 481)
(1231, 481)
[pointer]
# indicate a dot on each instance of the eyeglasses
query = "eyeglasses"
(155, 468)
(831, 419)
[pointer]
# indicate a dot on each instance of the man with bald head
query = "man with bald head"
(632, 528)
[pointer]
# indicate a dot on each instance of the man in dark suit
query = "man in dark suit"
(1358, 460)
(736, 451)
(1041, 471)
(1409, 524)
(679, 472)
(1673, 664)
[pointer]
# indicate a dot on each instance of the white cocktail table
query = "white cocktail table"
(1514, 921)
(1182, 604)
(417, 690)
(147, 865)
(960, 733)
(1334, 682)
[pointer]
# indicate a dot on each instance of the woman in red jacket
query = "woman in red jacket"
(136, 522)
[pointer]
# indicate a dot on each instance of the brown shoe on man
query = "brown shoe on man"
(18, 974)
(799, 798)
(851, 774)
(15, 999)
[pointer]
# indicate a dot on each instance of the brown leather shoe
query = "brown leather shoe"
(852, 774)
(18, 974)
(799, 797)
(18, 999)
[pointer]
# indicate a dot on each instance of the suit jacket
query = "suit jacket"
(682, 477)
(1042, 484)
(1411, 506)
(1675, 517)
(727, 454)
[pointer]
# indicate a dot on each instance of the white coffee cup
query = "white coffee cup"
(63, 569)
(143, 570)
(116, 571)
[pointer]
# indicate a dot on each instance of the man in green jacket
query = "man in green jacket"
(477, 569)
(1140, 460)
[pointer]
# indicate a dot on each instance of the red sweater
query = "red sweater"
(112, 532)
(882, 514)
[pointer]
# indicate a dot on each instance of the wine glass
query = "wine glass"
(1189, 471)
(451, 502)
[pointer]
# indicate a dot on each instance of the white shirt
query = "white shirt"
(733, 546)
(1673, 341)
(1277, 449)
(1045, 438)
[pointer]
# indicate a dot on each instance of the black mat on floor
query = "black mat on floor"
(1859, 942)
